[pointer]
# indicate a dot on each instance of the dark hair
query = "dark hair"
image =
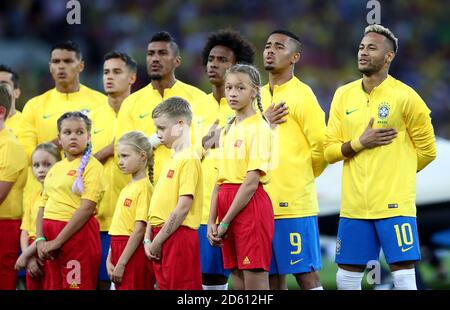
(173, 107)
(78, 186)
(5, 99)
(127, 59)
(69, 46)
(164, 36)
(241, 47)
(14, 75)
(294, 38)
(75, 114)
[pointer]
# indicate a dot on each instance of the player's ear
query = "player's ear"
(132, 78)
(59, 138)
(390, 56)
(295, 57)
(16, 93)
(81, 66)
(177, 61)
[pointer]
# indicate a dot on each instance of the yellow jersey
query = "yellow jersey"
(40, 114)
(13, 169)
(299, 142)
(132, 206)
(30, 212)
(247, 146)
(14, 122)
(59, 201)
(181, 175)
(104, 122)
(221, 111)
(136, 114)
(380, 182)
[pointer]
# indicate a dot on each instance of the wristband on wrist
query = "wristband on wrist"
(224, 225)
(356, 145)
(39, 239)
(146, 241)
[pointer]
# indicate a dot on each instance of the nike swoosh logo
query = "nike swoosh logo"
(350, 112)
(141, 116)
(407, 249)
(98, 130)
(46, 116)
(296, 261)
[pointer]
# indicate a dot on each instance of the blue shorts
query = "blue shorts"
(210, 257)
(295, 246)
(360, 241)
(106, 240)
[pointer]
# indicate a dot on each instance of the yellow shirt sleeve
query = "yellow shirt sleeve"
(189, 177)
(94, 185)
(420, 129)
(26, 217)
(44, 197)
(27, 133)
(9, 169)
(143, 204)
(13, 169)
(311, 118)
(333, 137)
(259, 150)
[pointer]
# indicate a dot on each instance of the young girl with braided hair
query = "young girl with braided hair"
(239, 201)
(126, 264)
(67, 232)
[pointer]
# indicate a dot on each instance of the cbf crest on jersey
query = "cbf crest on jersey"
(383, 112)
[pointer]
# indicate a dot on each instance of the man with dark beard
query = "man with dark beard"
(163, 58)
(382, 130)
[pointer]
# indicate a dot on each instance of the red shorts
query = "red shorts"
(138, 274)
(36, 283)
(9, 253)
(179, 267)
(77, 262)
(249, 241)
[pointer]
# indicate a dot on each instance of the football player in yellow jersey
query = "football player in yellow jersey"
(135, 114)
(119, 73)
(296, 246)
(382, 130)
(13, 174)
(11, 78)
(40, 113)
(223, 49)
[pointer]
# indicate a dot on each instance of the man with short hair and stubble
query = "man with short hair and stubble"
(119, 74)
(163, 58)
(40, 113)
(382, 130)
(9, 77)
(298, 123)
